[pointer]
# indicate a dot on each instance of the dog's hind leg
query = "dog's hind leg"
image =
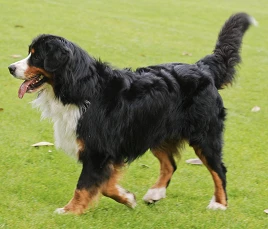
(112, 189)
(164, 154)
(212, 160)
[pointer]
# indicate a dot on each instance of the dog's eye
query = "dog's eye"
(35, 57)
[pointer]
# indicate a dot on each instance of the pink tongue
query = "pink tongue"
(23, 88)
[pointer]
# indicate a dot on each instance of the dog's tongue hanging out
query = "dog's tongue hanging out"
(24, 87)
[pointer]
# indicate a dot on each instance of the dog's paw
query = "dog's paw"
(67, 210)
(154, 195)
(60, 211)
(215, 206)
(131, 200)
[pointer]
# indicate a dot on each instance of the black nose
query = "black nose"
(12, 69)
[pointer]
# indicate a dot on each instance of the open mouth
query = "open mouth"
(31, 85)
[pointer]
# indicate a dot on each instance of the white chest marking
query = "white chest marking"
(64, 117)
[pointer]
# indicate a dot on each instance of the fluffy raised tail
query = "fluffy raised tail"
(226, 54)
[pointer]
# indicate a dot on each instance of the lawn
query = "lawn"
(36, 181)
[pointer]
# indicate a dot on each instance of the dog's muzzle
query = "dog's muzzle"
(12, 69)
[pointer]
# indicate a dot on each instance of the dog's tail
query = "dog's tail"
(226, 54)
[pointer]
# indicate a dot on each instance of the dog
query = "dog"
(108, 117)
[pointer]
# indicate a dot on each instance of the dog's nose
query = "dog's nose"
(12, 69)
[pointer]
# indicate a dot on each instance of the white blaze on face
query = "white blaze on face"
(21, 66)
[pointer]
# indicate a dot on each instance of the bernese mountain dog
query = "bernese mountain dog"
(108, 117)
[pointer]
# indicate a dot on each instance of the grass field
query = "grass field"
(34, 182)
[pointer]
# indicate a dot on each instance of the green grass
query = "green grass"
(34, 182)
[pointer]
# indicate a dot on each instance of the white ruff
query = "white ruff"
(64, 117)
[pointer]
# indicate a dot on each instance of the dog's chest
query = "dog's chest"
(65, 119)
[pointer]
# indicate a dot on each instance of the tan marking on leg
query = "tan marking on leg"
(80, 201)
(220, 195)
(164, 153)
(113, 190)
(166, 169)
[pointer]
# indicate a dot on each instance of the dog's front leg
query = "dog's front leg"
(112, 189)
(79, 203)
(88, 187)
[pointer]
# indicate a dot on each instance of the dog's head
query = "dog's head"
(47, 55)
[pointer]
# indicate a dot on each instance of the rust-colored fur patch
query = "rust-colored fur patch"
(81, 146)
(113, 190)
(166, 169)
(33, 71)
(220, 195)
(80, 201)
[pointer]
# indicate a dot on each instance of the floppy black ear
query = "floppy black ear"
(57, 55)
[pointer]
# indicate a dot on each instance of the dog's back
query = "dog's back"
(221, 63)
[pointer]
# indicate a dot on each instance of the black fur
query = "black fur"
(133, 111)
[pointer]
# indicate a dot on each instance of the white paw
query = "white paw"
(154, 194)
(131, 200)
(60, 211)
(215, 206)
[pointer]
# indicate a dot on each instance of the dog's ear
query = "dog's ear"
(57, 55)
